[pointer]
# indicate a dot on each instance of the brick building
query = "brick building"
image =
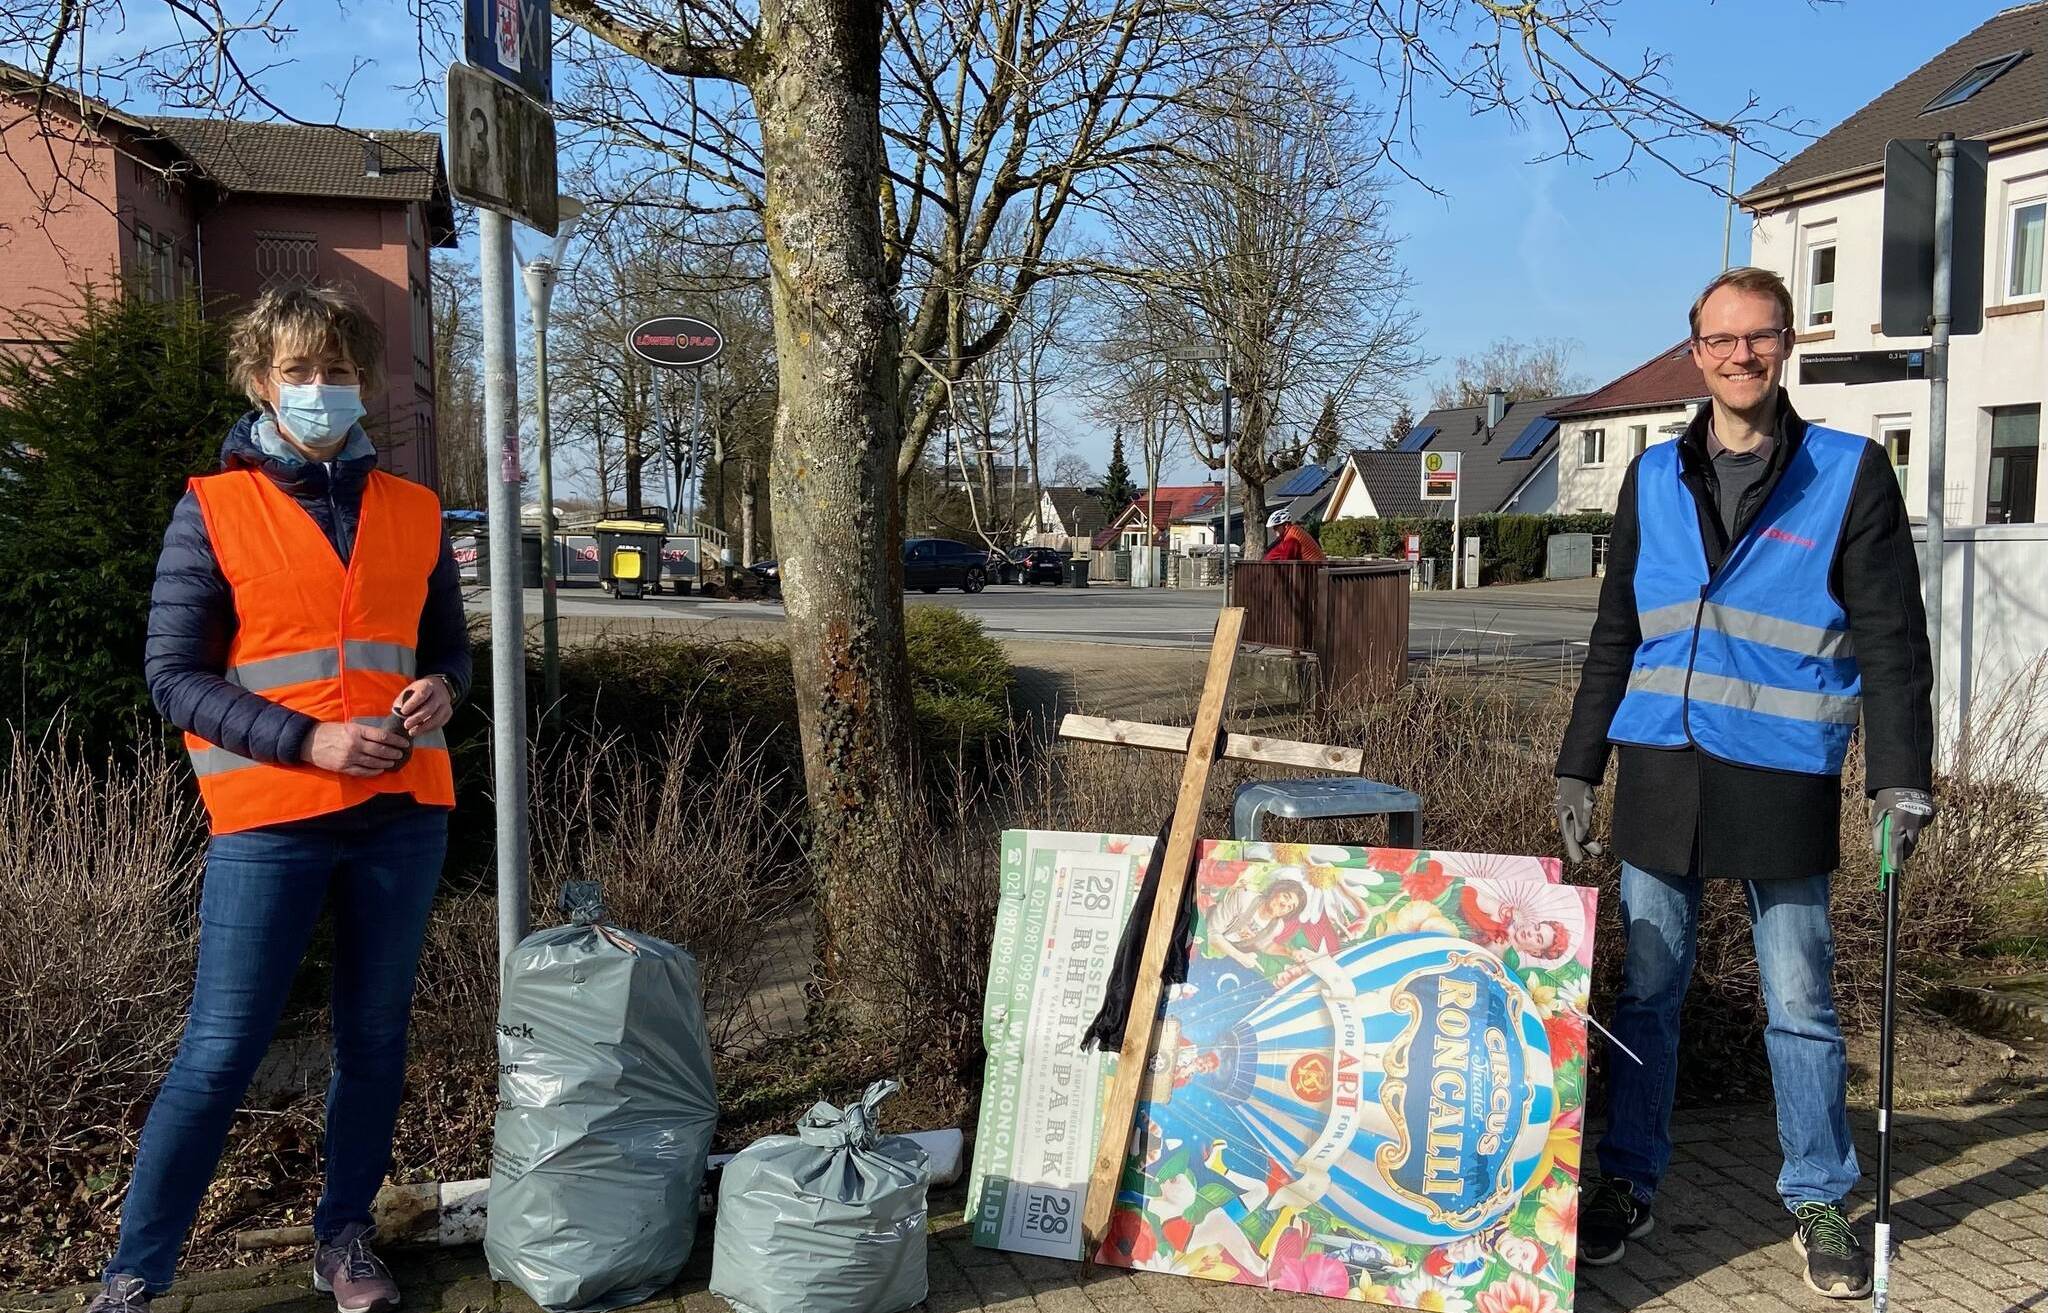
(93, 196)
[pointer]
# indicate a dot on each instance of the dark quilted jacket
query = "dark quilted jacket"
(192, 609)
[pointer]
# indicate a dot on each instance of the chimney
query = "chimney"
(1496, 408)
(373, 156)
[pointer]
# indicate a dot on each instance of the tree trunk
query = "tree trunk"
(635, 455)
(833, 492)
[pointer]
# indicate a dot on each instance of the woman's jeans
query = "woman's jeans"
(1795, 954)
(263, 894)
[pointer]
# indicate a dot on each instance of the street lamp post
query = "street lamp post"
(540, 287)
(1216, 351)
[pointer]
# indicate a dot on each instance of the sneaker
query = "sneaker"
(346, 1268)
(121, 1294)
(1836, 1265)
(1609, 1217)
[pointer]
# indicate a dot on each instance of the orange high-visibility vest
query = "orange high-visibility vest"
(337, 644)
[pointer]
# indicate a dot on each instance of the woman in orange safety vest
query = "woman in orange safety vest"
(306, 632)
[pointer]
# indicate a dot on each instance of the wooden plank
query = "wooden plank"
(1121, 1108)
(1236, 747)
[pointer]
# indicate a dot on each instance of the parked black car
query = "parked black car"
(930, 564)
(1036, 565)
(770, 575)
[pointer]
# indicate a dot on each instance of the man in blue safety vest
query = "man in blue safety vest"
(1761, 598)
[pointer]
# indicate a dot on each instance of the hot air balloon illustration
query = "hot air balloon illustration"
(1403, 1085)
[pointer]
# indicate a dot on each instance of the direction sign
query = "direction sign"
(1906, 271)
(1862, 367)
(509, 39)
(676, 341)
(1440, 475)
(501, 149)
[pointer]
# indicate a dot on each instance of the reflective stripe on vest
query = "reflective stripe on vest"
(1753, 663)
(335, 642)
(323, 663)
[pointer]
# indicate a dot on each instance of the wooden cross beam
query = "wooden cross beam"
(1201, 744)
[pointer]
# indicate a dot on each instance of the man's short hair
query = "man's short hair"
(310, 319)
(1745, 278)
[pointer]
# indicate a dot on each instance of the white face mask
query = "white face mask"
(319, 414)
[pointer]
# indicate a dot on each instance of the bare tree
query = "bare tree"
(458, 385)
(1272, 244)
(1523, 370)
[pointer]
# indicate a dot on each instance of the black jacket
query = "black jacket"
(1681, 810)
(192, 609)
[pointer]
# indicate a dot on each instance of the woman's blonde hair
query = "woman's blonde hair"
(308, 320)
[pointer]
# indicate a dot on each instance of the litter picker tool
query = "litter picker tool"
(1888, 882)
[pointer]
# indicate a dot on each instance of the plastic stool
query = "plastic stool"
(1327, 799)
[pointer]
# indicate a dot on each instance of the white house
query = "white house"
(1601, 432)
(1818, 223)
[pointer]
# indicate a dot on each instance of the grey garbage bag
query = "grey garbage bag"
(829, 1220)
(605, 1113)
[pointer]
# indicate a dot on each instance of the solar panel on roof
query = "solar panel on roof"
(1302, 482)
(1531, 439)
(1418, 439)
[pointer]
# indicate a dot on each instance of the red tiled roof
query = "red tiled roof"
(1669, 378)
(1174, 502)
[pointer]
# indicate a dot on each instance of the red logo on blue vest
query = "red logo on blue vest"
(1781, 536)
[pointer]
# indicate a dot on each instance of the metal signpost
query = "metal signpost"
(680, 342)
(501, 158)
(1932, 281)
(1440, 482)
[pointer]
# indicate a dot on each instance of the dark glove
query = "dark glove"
(1574, 812)
(1909, 810)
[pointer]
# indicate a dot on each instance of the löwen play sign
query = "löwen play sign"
(676, 341)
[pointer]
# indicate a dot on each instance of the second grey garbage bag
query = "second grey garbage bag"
(829, 1220)
(605, 1113)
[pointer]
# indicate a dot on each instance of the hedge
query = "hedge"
(1511, 548)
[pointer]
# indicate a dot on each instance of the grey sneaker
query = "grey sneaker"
(348, 1269)
(121, 1294)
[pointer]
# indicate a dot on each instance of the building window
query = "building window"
(284, 259)
(2023, 262)
(164, 279)
(1896, 435)
(188, 280)
(1820, 285)
(2015, 464)
(1972, 82)
(422, 327)
(1593, 447)
(1638, 438)
(145, 257)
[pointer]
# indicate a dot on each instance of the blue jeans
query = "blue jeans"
(262, 897)
(1795, 954)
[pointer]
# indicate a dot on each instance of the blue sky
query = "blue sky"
(1510, 248)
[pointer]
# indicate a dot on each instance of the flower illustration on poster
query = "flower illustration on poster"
(1371, 1084)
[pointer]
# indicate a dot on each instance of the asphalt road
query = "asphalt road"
(1525, 621)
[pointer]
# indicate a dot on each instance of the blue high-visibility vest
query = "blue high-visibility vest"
(1751, 663)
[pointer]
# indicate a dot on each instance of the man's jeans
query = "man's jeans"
(1795, 952)
(263, 894)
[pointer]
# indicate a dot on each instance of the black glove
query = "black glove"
(1574, 812)
(1909, 810)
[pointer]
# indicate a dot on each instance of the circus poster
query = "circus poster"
(1371, 1084)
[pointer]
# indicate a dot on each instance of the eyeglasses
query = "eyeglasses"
(1767, 343)
(298, 372)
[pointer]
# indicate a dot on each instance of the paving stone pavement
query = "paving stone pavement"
(1970, 1215)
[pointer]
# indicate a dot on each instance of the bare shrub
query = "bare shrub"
(98, 881)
